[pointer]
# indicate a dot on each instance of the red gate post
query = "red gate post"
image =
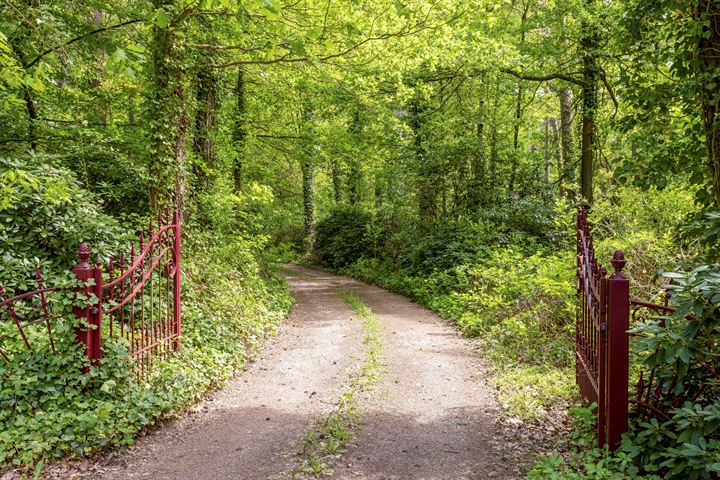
(89, 337)
(96, 314)
(618, 318)
(177, 324)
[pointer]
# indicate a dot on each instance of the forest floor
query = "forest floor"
(431, 414)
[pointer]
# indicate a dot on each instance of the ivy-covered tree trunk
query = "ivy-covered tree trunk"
(493, 140)
(307, 166)
(166, 118)
(589, 45)
(567, 154)
(708, 12)
(516, 138)
(478, 162)
(426, 189)
(203, 142)
(308, 178)
(355, 174)
(239, 131)
(336, 181)
(180, 155)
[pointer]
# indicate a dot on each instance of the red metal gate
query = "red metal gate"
(136, 298)
(601, 337)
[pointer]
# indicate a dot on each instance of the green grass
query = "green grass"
(342, 424)
(529, 391)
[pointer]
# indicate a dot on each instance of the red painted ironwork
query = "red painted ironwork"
(601, 336)
(139, 296)
(136, 299)
(26, 319)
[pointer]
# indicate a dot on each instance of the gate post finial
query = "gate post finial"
(83, 254)
(618, 262)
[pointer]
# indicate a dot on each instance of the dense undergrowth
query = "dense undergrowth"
(48, 407)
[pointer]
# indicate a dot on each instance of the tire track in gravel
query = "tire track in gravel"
(251, 429)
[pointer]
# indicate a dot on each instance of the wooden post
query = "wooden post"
(618, 318)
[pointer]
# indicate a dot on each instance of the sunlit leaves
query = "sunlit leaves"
(161, 19)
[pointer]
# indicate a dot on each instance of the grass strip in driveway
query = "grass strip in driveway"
(326, 443)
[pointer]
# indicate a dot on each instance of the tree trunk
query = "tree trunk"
(518, 112)
(555, 149)
(239, 132)
(378, 193)
(478, 161)
(180, 153)
(355, 174)
(336, 181)
(30, 108)
(96, 82)
(516, 138)
(307, 166)
(567, 154)
(426, 190)
(589, 43)
(493, 153)
(32, 118)
(549, 125)
(203, 143)
(308, 176)
(161, 115)
(709, 52)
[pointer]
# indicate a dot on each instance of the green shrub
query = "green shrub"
(445, 245)
(342, 237)
(44, 215)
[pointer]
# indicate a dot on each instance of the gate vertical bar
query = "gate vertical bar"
(618, 319)
(580, 379)
(177, 324)
(602, 356)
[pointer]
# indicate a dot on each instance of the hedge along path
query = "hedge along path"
(251, 430)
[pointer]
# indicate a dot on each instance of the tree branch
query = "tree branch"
(543, 78)
(77, 39)
(209, 46)
(286, 58)
(609, 89)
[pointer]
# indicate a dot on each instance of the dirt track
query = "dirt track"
(432, 416)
